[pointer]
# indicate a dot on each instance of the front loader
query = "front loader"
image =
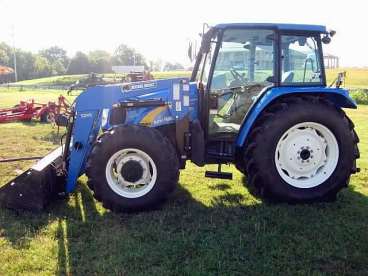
(257, 98)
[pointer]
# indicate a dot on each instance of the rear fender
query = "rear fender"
(340, 97)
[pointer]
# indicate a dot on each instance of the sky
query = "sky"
(162, 29)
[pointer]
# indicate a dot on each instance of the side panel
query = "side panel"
(340, 97)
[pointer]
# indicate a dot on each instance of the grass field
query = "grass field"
(356, 78)
(208, 227)
(70, 79)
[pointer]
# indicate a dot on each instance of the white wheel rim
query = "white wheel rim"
(124, 187)
(306, 155)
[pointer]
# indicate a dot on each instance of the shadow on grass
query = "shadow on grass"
(230, 234)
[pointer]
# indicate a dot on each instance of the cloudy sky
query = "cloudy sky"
(161, 29)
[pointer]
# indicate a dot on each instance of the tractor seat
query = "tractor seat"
(287, 77)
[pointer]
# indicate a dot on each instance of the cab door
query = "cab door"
(244, 66)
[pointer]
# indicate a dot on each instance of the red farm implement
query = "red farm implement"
(28, 110)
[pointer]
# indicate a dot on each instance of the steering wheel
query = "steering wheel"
(237, 76)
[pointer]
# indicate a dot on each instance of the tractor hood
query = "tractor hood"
(178, 98)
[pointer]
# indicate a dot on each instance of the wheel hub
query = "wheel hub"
(132, 171)
(306, 155)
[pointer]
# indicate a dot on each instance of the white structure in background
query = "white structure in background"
(128, 69)
(331, 61)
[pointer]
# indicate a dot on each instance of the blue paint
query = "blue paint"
(340, 97)
(276, 26)
(95, 101)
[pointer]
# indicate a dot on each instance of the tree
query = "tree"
(57, 59)
(100, 61)
(25, 65)
(58, 68)
(4, 58)
(156, 65)
(79, 64)
(6, 54)
(173, 66)
(124, 55)
(54, 54)
(42, 67)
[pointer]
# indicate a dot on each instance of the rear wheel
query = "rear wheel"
(132, 168)
(302, 149)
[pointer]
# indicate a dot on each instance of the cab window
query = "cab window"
(300, 60)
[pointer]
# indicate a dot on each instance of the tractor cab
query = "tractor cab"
(238, 62)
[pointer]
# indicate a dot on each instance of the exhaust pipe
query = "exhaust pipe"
(38, 186)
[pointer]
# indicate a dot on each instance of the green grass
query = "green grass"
(12, 96)
(70, 79)
(208, 227)
(355, 78)
(56, 80)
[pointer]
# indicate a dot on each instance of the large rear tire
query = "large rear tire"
(302, 149)
(132, 168)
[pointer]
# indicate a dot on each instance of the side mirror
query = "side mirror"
(326, 39)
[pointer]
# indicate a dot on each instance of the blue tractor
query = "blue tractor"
(257, 98)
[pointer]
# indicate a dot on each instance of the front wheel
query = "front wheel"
(132, 168)
(303, 150)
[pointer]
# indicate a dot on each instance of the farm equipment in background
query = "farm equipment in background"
(266, 109)
(94, 79)
(91, 80)
(25, 111)
(138, 76)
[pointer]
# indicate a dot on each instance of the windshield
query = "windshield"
(245, 57)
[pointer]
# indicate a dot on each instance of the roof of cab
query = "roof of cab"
(277, 26)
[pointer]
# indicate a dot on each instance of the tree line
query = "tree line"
(54, 61)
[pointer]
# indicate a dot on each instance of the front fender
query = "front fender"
(340, 97)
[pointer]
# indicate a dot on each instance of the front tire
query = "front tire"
(132, 168)
(303, 149)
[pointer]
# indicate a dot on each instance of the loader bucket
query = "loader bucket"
(36, 187)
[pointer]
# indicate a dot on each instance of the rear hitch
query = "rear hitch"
(36, 187)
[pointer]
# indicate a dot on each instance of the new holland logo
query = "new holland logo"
(145, 85)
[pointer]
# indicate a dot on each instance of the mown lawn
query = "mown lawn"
(70, 79)
(208, 227)
(355, 77)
